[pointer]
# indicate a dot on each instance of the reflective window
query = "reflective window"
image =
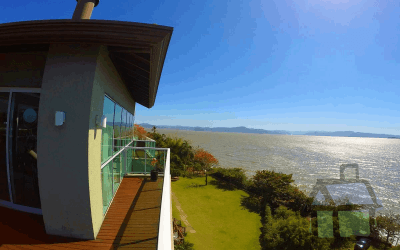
(107, 132)
(117, 128)
(4, 193)
(118, 123)
(123, 127)
(130, 124)
(107, 185)
(128, 117)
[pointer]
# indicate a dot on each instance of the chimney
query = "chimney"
(84, 9)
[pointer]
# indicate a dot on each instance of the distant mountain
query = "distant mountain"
(350, 134)
(272, 132)
(218, 129)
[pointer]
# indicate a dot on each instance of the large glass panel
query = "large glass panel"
(23, 149)
(117, 128)
(123, 165)
(123, 127)
(107, 185)
(117, 172)
(107, 132)
(128, 128)
(4, 191)
(129, 160)
(139, 164)
(131, 125)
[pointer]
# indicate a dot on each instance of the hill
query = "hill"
(242, 129)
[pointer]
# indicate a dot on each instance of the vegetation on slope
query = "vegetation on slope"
(285, 211)
(216, 215)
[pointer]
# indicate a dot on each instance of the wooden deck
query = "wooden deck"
(131, 222)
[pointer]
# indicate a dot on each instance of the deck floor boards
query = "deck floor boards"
(131, 223)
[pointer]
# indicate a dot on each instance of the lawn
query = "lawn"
(216, 215)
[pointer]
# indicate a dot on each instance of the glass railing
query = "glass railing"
(142, 158)
(134, 159)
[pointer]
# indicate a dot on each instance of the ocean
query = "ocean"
(308, 158)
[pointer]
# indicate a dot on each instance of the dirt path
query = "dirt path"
(182, 213)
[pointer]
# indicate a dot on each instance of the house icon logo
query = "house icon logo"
(345, 191)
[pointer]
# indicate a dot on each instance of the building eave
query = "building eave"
(137, 50)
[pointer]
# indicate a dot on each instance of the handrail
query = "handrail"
(145, 148)
(115, 155)
(165, 237)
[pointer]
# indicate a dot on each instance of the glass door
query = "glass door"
(23, 149)
(4, 188)
(19, 149)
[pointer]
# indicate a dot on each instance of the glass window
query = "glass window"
(133, 121)
(107, 185)
(127, 128)
(117, 171)
(123, 127)
(116, 134)
(4, 194)
(130, 125)
(107, 132)
(117, 128)
(128, 120)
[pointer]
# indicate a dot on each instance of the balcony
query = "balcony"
(138, 216)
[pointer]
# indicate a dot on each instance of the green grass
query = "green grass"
(216, 215)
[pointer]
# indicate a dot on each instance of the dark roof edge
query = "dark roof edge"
(98, 21)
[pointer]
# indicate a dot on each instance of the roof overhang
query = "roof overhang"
(137, 50)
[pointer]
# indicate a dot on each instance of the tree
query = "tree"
(205, 159)
(389, 224)
(268, 216)
(286, 230)
(272, 188)
(182, 153)
(186, 153)
(140, 132)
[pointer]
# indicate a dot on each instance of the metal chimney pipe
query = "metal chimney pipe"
(84, 9)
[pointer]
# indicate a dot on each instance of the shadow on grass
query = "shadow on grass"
(195, 185)
(223, 185)
(250, 203)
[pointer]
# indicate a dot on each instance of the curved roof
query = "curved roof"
(137, 50)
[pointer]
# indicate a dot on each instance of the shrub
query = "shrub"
(251, 203)
(182, 153)
(274, 189)
(286, 230)
(184, 246)
(236, 176)
(176, 172)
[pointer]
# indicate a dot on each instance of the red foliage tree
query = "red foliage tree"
(140, 132)
(205, 158)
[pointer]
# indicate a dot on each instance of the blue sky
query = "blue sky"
(298, 65)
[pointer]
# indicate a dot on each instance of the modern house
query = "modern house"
(68, 90)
